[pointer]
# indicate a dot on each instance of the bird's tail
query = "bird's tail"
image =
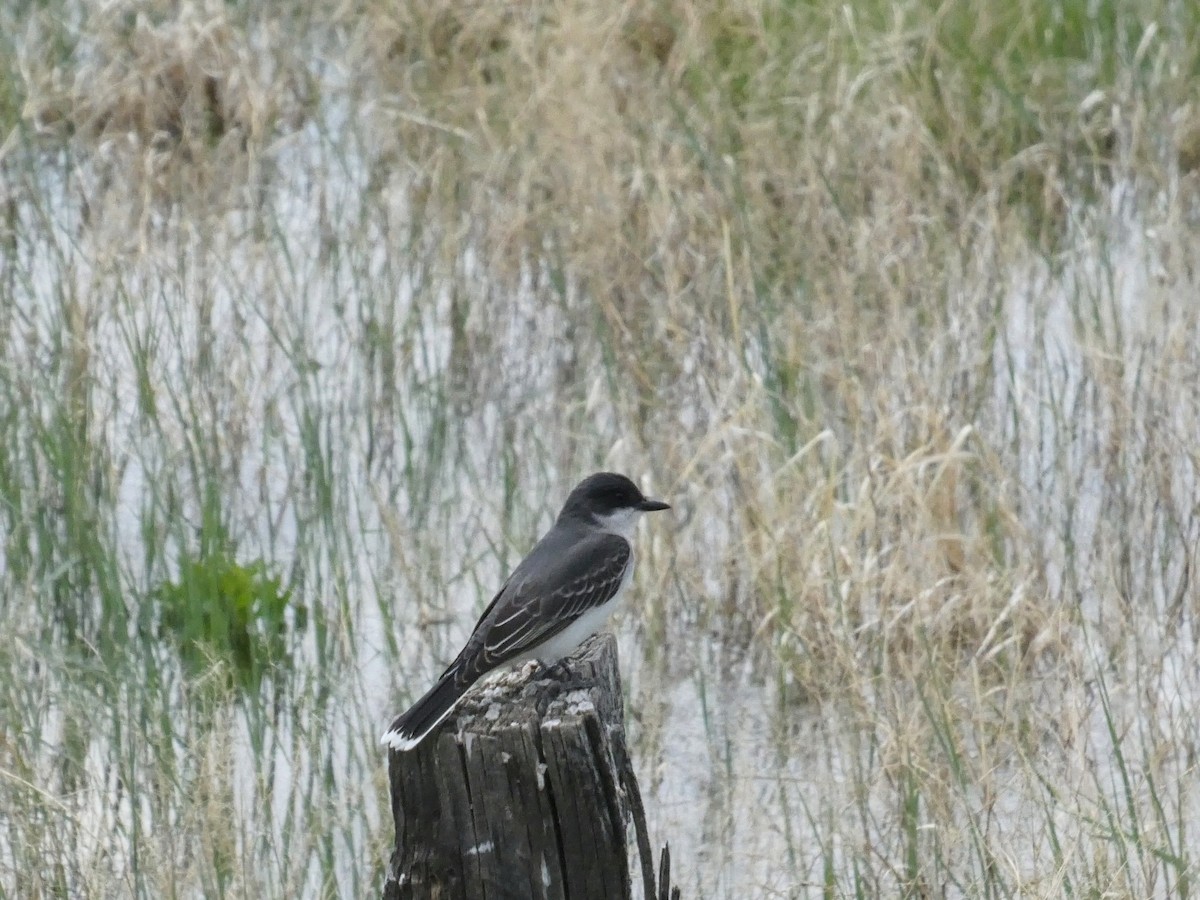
(411, 727)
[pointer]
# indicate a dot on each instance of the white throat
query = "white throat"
(622, 523)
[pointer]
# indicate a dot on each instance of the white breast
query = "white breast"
(587, 624)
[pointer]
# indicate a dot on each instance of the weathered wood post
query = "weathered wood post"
(524, 793)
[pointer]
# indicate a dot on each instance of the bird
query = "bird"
(558, 596)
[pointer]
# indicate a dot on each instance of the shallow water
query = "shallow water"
(311, 362)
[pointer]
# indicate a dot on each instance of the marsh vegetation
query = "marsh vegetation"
(311, 313)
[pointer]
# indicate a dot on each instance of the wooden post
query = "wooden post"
(524, 793)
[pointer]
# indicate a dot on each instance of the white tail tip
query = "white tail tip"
(397, 741)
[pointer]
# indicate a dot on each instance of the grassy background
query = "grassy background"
(311, 314)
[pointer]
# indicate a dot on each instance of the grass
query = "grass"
(328, 308)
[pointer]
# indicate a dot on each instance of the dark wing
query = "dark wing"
(548, 592)
(458, 660)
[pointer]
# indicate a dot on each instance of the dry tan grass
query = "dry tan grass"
(893, 302)
(169, 102)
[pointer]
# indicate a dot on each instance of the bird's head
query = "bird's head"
(610, 501)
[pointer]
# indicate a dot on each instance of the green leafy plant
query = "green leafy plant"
(221, 609)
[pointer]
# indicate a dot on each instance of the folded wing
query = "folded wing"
(556, 589)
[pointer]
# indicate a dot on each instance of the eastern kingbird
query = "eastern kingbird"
(560, 595)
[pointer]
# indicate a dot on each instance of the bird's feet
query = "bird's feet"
(556, 671)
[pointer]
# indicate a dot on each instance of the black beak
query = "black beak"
(653, 505)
